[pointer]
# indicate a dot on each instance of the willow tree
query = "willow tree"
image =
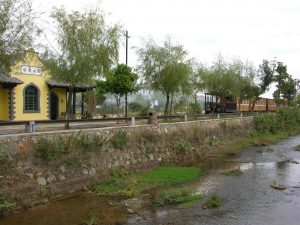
(87, 48)
(221, 79)
(17, 29)
(165, 69)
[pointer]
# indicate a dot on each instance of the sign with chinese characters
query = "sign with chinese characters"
(31, 70)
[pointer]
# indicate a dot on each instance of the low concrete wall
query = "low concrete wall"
(33, 180)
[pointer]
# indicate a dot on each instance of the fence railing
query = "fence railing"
(30, 126)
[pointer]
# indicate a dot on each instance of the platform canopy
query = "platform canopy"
(8, 81)
(77, 88)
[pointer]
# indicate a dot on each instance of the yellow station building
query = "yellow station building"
(30, 93)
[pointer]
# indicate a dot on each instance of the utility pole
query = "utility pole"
(126, 105)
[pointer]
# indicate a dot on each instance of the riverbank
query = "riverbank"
(62, 163)
(39, 167)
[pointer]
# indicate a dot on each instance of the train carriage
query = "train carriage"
(215, 104)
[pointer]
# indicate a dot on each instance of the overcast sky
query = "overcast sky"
(250, 29)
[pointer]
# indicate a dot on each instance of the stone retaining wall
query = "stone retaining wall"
(33, 180)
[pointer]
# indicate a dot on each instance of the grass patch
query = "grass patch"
(176, 196)
(51, 149)
(134, 184)
(234, 172)
(213, 202)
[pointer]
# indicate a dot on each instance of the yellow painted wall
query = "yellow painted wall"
(4, 114)
(30, 59)
(61, 93)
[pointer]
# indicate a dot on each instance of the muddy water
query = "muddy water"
(249, 199)
(74, 210)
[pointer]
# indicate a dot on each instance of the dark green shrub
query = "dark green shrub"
(284, 119)
(266, 123)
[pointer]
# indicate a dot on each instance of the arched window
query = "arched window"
(31, 99)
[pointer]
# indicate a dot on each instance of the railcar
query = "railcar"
(214, 104)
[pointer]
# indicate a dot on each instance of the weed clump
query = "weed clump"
(91, 221)
(181, 147)
(297, 148)
(119, 140)
(234, 172)
(4, 205)
(213, 202)
(6, 164)
(176, 196)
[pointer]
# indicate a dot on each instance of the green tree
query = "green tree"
(165, 69)
(17, 29)
(196, 82)
(266, 70)
(101, 91)
(249, 90)
(221, 79)
(87, 48)
(285, 84)
(122, 80)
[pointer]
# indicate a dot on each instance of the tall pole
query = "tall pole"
(126, 105)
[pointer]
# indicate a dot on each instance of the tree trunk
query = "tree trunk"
(240, 102)
(69, 107)
(254, 103)
(126, 106)
(195, 100)
(118, 98)
(171, 105)
(167, 105)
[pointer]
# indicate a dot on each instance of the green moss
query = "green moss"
(176, 196)
(169, 176)
(213, 202)
(134, 184)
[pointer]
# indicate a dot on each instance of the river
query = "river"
(248, 198)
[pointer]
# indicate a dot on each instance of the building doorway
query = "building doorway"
(54, 100)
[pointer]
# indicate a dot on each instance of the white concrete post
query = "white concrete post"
(241, 114)
(132, 121)
(30, 127)
(218, 116)
(185, 118)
